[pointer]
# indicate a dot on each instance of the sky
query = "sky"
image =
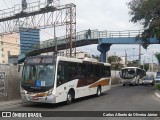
(110, 15)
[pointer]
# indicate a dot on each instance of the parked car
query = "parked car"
(148, 80)
(157, 79)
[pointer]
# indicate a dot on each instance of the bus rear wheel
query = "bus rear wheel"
(99, 92)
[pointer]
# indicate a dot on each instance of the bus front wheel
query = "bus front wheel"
(70, 97)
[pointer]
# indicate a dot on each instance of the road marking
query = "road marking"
(157, 94)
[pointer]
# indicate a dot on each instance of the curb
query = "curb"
(157, 94)
(116, 85)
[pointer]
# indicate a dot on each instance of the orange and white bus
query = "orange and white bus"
(51, 79)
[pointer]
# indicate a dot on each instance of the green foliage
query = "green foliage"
(116, 66)
(134, 63)
(157, 55)
(147, 13)
(145, 66)
(115, 62)
(96, 57)
(112, 59)
(158, 86)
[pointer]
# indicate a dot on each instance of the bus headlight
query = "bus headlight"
(133, 81)
(50, 92)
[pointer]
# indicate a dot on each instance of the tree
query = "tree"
(112, 59)
(96, 57)
(158, 57)
(147, 13)
(145, 66)
(134, 63)
(115, 62)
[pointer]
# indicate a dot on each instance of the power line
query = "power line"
(5, 4)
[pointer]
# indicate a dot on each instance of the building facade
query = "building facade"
(9, 45)
(29, 40)
(18, 43)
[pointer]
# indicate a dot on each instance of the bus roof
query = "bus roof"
(131, 68)
(62, 58)
(80, 60)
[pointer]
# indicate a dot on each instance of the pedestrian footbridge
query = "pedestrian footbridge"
(104, 39)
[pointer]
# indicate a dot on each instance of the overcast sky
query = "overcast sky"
(111, 15)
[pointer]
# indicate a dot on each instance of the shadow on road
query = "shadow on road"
(62, 104)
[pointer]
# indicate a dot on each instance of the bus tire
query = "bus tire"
(124, 84)
(70, 97)
(99, 92)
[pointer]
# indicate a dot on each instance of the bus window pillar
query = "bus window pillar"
(103, 48)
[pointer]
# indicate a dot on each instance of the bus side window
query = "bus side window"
(81, 72)
(97, 70)
(72, 70)
(108, 72)
(90, 71)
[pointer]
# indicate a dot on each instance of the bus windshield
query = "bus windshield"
(128, 73)
(38, 77)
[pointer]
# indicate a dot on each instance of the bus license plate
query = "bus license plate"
(34, 98)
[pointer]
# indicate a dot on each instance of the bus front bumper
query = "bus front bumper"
(46, 99)
(129, 82)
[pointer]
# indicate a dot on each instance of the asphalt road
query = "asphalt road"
(119, 98)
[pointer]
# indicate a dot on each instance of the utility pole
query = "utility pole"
(149, 64)
(125, 58)
(55, 39)
(139, 54)
(133, 53)
(143, 62)
(152, 60)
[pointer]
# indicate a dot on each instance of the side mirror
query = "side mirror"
(120, 74)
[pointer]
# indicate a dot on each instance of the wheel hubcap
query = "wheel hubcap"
(69, 97)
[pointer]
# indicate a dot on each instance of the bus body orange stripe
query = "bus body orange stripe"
(102, 83)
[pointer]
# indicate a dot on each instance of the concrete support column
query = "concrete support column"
(103, 48)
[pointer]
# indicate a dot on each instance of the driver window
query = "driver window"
(62, 73)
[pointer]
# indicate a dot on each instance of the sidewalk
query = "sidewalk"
(157, 93)
(9, 103)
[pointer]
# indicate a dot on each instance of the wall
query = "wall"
(9, 43)
(12, 82)
(115, 77)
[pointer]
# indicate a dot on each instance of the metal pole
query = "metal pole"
(143, 62)
(55, 39)
(139, 54)
(70, 39)
(152, 60)
(125, 58)
(133, 53)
